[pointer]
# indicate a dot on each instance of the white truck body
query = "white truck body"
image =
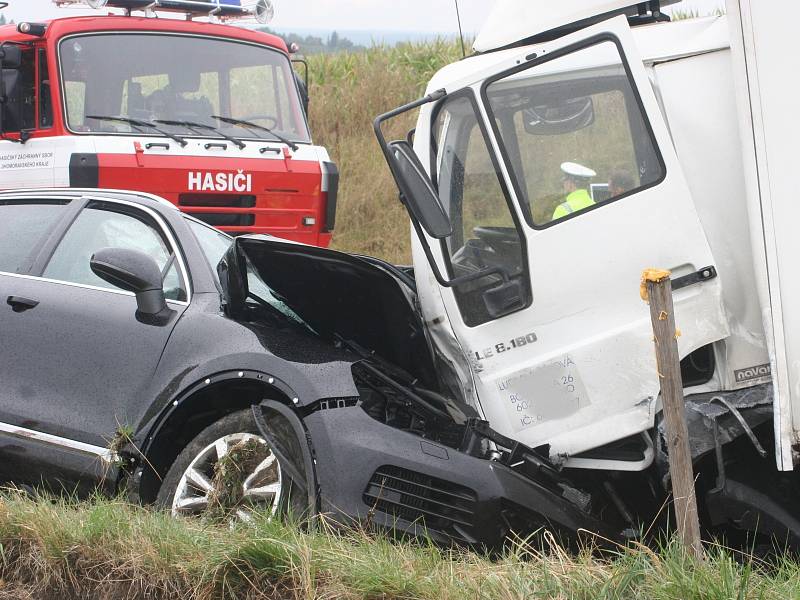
(573, 368)
(768, 128)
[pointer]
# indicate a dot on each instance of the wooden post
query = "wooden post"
(658, 288)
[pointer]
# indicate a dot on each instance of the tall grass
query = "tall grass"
(348, 91)
(108, 549)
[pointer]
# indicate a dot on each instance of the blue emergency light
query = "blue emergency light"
(261, 10)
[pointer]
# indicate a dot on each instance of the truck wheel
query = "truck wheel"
(228, 470)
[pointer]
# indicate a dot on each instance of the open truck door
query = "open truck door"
(553, 184)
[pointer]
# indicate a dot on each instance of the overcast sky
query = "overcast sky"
(396, 15)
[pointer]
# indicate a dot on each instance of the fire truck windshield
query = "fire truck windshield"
(173, 80)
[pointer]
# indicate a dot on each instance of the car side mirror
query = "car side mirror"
(417, 191)
(132, 271)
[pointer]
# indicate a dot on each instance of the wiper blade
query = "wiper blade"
(139, 123)
(256, 126)
(194, 126)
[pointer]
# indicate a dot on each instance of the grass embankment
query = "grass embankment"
(347, 92)
(110, 549)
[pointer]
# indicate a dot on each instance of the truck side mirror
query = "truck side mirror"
(302, 82)
(417, 191)
(132, 271)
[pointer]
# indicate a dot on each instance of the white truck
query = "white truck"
(679, 140)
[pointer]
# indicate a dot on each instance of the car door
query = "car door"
(75, 358)
(570, 361)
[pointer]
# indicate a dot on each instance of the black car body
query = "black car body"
(328, 348)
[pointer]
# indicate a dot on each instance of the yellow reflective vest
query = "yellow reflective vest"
(577, 200)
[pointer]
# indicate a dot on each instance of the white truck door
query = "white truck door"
(559, 177)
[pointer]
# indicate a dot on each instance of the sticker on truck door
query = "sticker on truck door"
(548, 392)
(505, 346)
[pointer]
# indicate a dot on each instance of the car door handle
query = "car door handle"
(20, 304)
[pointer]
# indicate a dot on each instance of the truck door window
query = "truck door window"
(45, 99)
(20, 113)
(485, 233)
(574, 133)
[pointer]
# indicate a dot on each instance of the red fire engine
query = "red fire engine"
(207, 115)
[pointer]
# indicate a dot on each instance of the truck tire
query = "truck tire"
(228, 469)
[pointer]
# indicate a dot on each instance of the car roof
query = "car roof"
(143, 198)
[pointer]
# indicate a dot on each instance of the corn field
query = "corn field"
(347, 92)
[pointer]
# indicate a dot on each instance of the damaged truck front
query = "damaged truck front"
(579, 145)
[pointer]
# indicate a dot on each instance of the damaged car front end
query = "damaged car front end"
(400, 453)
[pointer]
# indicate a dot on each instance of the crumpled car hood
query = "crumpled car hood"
(340, 296)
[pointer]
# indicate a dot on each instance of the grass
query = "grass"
(109, 549)
(348, 91)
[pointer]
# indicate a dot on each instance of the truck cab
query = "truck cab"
(204, 114)
(580, 144)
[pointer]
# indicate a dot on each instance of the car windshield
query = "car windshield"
(215, 244)
(164, 79)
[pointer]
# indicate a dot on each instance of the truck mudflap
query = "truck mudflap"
(371, 473)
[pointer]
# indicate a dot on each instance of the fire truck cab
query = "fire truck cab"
(204, 114)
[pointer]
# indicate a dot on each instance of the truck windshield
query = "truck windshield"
(179, 78)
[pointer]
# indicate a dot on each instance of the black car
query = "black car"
(140, 346)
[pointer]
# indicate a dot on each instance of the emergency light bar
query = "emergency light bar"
(261, 10)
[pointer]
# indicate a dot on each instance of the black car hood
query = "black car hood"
(339, 295)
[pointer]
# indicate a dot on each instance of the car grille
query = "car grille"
(433, 503)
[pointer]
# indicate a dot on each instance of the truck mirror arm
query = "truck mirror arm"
(456, 281)
(385, 148)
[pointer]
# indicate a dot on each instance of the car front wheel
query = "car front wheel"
(228, 470)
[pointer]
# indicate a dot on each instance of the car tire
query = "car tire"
(249, 479)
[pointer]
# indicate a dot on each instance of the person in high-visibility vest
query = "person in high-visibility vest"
(576, 187)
